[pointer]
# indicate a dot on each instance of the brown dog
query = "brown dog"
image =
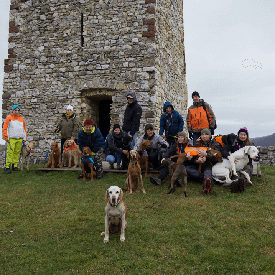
(87, 164)
(134, 173)
(66, 157)
(55, 156)
(177, 172)
(76, 155)
(144, 159)
(181, 158)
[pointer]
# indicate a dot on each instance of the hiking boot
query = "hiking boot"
(206, 186)
(234, 187)
(112, 166)
(80, 176)
(241, 185)
(155, 181)
(15, 169)
(118, 166)
(99, 176)
(8, 171)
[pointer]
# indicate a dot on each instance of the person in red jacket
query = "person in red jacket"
(14, 132)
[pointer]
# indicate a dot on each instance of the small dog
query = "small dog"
(144, 159)
(134, 173)
(116, 214)
(25, 153)
(178, 173)
(55, 156)
(87, 164)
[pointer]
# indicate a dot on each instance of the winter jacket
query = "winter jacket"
(132, 116)
(157, 139)
(170, 123)
(14, 127)
(68, 126)
(117, 143)
(198, 118)
(175, 149)
(94, 140)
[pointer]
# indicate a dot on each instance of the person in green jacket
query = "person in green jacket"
(68, 125)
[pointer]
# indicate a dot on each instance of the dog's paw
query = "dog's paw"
(144, 192)
(106, 240)
(122, 240)
(102, 234)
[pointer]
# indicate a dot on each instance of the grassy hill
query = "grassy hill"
(51, 224)
(264, 141)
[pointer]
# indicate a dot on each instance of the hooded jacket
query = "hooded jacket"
(198, 118)
(132, 116)
(68, 126)
(170, 123)
(117, 143)
(94, 140)
(14, 127)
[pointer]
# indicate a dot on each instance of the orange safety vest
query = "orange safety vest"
(193, 151)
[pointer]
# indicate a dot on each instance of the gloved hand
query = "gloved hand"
(212, 131)
(190, 135)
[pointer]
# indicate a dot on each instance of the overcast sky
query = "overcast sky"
(230, 57)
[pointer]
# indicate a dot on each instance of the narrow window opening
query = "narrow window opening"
(82, 37)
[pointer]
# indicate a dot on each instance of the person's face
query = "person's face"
(205, 137)
(196, 98)
(168, 109)
(88, 129)
(181, 139)
(16, 111)
(242, 136)
(117, 131)
(69, 111)
(130, 100)
(150, 132)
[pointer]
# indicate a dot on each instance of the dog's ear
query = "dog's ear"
(120, 194)
(246, 149)
(106, 195)
(128, 155)
(138, 156)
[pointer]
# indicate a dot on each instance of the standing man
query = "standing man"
(132, 117)
(171, 122)
(200, 116)
(14, 131)
(90, 136)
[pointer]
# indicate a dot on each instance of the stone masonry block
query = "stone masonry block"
(149, 22)
(151, 10)
(150, 1)
(8, 68)
(14, 7)
(149, 34)
(13, 29)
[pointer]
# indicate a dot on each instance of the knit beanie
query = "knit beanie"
(88, 122)
(148, 126)
(195, 94)
(69, 107)
(206, 131)
(116, 126)
(244, 129)
(182, 134)
(15, 106)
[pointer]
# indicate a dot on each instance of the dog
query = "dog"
(116, 214)
(178, 173)
(87, 164)
(134, 173)
(235, 162)
(76, 155)
(181, 158)
(144, 159)
(67, 153)
(25, 153)
(55, 156)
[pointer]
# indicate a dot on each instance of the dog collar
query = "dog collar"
(115, 204)
(134, 163)
(55, 149)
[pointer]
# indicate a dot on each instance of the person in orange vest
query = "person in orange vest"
(200, 116)
(14, 132)
(205, 160)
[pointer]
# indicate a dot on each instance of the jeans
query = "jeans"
(133, 142)
(114, 158)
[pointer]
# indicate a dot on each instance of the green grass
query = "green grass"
(56, 221)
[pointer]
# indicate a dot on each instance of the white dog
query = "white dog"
(25, 152)
(116, 214)
(235, 162)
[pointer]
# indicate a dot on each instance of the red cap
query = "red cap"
(88, 122)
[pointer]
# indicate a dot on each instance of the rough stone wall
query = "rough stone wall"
(267, 155)
(81, 52)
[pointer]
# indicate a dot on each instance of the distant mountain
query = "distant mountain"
(264, 141)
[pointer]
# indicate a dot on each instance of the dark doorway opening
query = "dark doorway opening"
(104, 116)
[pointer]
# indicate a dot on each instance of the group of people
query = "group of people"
(170, 141)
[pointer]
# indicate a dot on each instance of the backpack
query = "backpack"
(204, 107)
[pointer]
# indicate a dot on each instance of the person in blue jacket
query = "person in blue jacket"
(90, 136)
(171, 122)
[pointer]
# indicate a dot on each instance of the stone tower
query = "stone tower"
(90, 53)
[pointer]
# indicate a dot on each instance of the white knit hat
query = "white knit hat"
(70, 107)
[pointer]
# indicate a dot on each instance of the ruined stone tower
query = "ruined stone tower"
(90, 53)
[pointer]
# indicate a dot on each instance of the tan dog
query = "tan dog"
(144, 159)
(76, 155)
(25, 153)
(55, 156)
(87, 164)
(116, 214)
(134, 173)
(67, 152)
